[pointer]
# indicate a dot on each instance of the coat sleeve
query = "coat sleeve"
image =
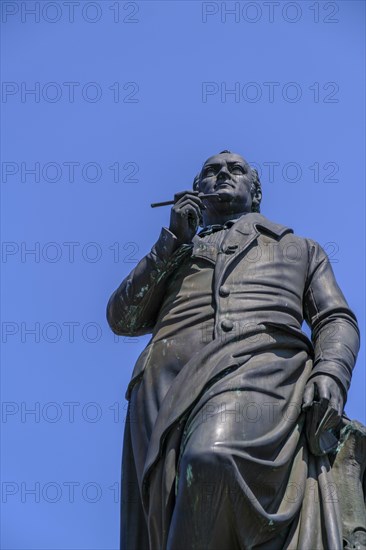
(133, 307)
(335, 334)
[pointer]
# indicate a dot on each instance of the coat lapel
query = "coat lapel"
(239, 238)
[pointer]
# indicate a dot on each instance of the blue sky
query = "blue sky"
(128, 100)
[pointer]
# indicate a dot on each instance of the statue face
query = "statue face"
(230, 176)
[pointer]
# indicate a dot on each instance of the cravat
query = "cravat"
(215, 227)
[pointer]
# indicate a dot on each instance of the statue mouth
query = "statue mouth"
(224, 184)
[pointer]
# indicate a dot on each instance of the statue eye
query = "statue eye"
(209, 172)
(237, 169)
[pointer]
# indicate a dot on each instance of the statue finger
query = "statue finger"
(188, 206)
(308, 397)
(182, 194)
(188, 199)
(337, 402)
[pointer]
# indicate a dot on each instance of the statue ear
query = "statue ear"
(256, 192)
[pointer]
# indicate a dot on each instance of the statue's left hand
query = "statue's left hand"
(327, 392)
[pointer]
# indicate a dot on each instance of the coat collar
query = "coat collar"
(247, 223)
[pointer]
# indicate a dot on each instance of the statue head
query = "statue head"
(229, 175)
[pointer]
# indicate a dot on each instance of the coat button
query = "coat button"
(224, 291)
(227, 325)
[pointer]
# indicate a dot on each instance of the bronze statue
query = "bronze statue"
(232, 436)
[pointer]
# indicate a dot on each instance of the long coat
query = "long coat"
(266, 282)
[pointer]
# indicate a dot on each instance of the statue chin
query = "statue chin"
(226, 195)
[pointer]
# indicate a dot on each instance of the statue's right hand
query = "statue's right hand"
(186, 216)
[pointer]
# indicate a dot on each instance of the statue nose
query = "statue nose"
(223, 173)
